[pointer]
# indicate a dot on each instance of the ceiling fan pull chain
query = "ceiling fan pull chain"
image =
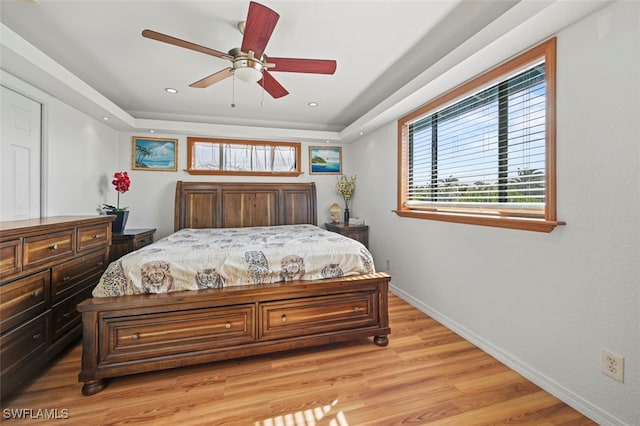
(233, 91)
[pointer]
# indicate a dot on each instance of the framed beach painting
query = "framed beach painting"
(325, 160)
(155, 154)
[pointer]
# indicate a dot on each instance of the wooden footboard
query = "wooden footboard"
(134, 334)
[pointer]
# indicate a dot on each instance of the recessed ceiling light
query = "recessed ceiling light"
(152, 131)
(171, 90)
(105, 118)
(362, 132)
(313, 104)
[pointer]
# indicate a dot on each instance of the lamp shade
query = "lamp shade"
(335, 210)
(248, 74)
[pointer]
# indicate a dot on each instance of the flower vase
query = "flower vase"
(346, 216)
(118, 225)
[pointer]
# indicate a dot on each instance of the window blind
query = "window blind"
(485, 151)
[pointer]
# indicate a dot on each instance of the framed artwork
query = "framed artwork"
(325, 160)
(154, 154)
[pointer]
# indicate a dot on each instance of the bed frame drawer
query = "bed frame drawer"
(317, 314)
(172, 333)
(23, 299)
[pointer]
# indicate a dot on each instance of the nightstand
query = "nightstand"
(355, 232)
(129, 240)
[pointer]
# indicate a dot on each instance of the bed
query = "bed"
(141, 332)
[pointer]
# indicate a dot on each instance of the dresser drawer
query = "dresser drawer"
(10, 258)
(93, 236)
(65, 315)
(23, 343)
(142, 241)
(44, 249)
(317, 314)
(145, 336)
(23, 299)
(76, 274)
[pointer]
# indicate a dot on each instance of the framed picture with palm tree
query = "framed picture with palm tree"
(154, 154)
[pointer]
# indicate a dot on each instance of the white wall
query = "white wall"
(79, 153)
(545, 304)
(152, 194)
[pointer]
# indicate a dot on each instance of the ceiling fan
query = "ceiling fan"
(249, 63)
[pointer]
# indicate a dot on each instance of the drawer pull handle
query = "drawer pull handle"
(135, 336)
(37, 336)
(284, 318)
(54, 247)
(227, 325)
(35, 293)
(100, 263)
(66, 315)
(67, 278)
(95, 237)
(356, 309)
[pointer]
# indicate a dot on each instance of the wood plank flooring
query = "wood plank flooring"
(426, 376)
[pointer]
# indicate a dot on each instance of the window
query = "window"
(484, 153)
(232, 157)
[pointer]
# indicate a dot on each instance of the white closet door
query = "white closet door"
(20, 151)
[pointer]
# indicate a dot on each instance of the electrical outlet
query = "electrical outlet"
(613, 365)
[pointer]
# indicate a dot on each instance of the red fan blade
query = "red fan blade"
(311, 66)
(186, 44)
(213, 78)
(272, 86)
(258, 28)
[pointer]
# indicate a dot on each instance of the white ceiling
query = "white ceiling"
(379, 46)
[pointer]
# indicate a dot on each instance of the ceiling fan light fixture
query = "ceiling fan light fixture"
(247, 69)
(250, 75)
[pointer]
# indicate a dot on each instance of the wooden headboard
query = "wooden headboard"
(235, 205)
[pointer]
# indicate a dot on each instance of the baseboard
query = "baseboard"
(570, 398)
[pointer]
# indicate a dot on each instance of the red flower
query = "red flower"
(121, 181)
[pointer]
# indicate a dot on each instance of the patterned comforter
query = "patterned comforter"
(194, 259)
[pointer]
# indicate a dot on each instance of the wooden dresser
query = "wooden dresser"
(47, 267)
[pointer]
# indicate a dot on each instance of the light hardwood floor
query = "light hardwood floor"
(427, 375)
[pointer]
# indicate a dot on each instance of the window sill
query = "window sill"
(525, 224)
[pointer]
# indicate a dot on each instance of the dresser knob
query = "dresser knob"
(284, 318)
(135, 336)
(95, 237)
(54, 247)
(35, 293)
(65, 279)
(37, 336)
(356, 309)
(227, 325)
(100, 263)
(66, 315)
